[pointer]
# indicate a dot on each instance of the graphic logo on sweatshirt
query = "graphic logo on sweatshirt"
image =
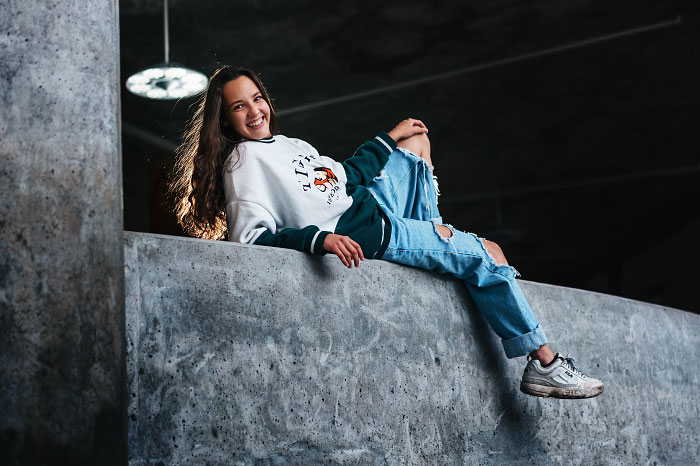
(325, 179)
(301, 171)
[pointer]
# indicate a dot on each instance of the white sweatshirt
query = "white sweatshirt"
(281, 191)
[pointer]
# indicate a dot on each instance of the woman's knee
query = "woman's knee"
(419, 144)
(495, 252)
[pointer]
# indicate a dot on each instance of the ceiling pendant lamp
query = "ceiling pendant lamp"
(167, 81)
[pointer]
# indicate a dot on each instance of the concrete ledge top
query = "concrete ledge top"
(334, 262)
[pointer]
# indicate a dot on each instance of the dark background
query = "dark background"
(582, 164)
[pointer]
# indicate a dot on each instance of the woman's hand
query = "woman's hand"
(407, 128)
(345, 248)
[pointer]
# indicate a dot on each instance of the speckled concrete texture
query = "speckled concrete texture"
(61, 253)
(251, 355)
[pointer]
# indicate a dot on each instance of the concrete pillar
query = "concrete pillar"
(61, 259)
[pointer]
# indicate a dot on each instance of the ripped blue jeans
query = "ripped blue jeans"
(406, 194)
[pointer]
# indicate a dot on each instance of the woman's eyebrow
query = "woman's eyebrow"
(241, 100)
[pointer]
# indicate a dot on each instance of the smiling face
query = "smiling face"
(245, 108)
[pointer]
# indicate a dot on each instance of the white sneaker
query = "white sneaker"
(559, 380)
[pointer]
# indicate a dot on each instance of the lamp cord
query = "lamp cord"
(167, 33)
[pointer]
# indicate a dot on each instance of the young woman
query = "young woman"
(236, 178)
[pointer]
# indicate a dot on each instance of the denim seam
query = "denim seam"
(428, 203)
(406, 174)
(496, 269)
(417, 160)
(417, 163)
(435, 250)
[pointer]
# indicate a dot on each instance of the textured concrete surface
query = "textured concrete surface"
(252, 355)
(61, 254)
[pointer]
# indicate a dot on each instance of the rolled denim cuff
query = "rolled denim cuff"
(524, 344)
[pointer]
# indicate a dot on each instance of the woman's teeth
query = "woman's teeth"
(256, 123)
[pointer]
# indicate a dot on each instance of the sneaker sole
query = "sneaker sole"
(559, 392)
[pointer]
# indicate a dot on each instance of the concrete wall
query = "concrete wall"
(61, 260)
(252, 355)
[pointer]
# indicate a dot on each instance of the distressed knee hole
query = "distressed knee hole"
(498, 263)
(444, 231)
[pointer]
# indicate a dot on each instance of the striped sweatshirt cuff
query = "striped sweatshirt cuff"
(316, 246)
(386, 141)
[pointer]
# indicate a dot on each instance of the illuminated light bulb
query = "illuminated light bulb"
(166, 82)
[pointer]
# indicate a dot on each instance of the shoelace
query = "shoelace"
(569, 363)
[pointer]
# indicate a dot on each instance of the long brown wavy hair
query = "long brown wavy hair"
(196, 183)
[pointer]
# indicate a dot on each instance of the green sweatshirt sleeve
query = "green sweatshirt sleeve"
(369, 159)
(308, 239)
